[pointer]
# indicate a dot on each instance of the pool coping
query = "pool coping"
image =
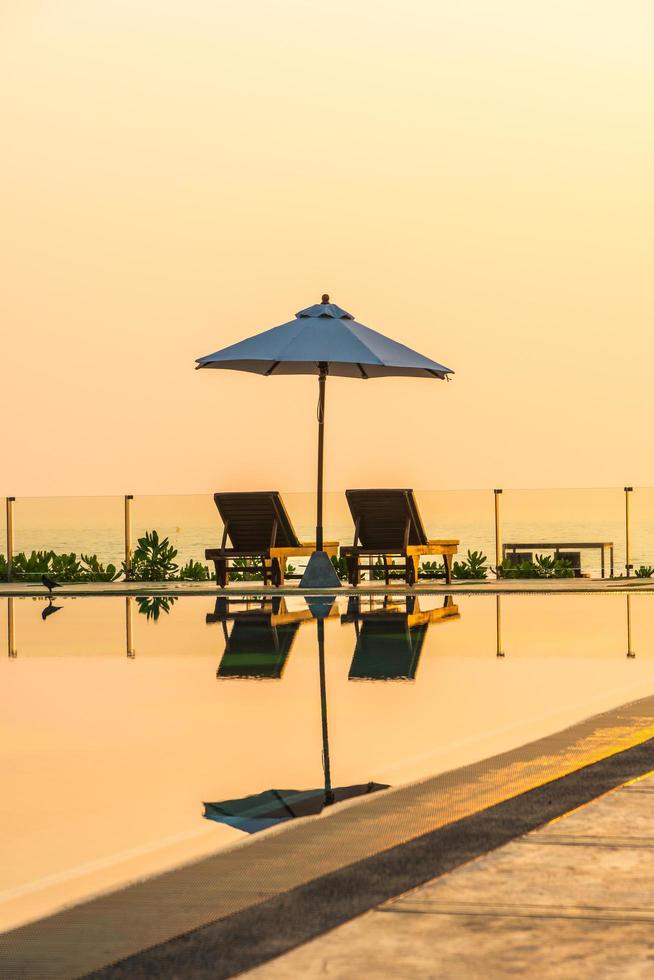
(458, 587)
(238, 907)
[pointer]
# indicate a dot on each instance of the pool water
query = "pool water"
(120, 718)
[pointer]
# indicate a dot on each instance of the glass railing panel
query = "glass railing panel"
(568, 518)
(189, 521)
(641, 521)
(82, 525)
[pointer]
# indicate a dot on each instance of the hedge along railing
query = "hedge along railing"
(442, 502)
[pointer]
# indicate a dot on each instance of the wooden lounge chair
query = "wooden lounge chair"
(258, 527)
(387, 524)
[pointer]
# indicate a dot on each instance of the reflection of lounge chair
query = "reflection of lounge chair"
(387, 524)
(260, 640)
(390, 638)
(258, 527)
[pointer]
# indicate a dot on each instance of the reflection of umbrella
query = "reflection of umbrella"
(323, 339)
(273, 806)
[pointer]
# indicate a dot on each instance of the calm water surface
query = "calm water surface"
(120, 717)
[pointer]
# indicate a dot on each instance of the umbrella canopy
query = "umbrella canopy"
(324, 339)
(324, 334)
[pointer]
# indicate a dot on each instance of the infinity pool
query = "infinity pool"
(120, 718)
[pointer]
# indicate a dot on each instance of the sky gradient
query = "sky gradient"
(472, 178)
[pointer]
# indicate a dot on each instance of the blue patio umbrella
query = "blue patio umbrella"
(324, 339)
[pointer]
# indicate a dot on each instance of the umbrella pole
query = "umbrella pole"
(329, 793)
(321, 453)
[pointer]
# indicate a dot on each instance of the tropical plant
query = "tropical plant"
(542, 567)
(153, 560)
(432, 569)
(65, 567)
(96, 571)
(473, 566)
(645, 571)
(152, 606)
(195, 571)
(238, 572)
(340, 567)
(379, 571)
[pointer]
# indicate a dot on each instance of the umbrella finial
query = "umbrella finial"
(325, 298)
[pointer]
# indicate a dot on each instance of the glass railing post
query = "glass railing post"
(128, 533)
(627, 530)
(498, 533)
(10, 536)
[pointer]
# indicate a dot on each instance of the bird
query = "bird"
(50, 584)
(49, 610)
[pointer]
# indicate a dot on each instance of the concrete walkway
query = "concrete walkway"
(572, 899)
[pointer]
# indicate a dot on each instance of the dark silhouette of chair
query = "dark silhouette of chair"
(387, 525)
(260, 639)
(390, 638)
(258, 527)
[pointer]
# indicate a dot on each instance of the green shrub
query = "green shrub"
(542, 567)
(65, 567)
(340, 567)
(473, 566)
(95, 570)
(645, 571)
(432, 569)
(195, 571)
(153, 560)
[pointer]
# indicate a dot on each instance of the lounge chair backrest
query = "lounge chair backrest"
(382, 516)
(249, 518)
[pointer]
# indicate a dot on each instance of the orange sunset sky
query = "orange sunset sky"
(472, 177)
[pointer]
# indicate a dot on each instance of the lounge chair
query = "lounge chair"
(387, 524)
(258, 527)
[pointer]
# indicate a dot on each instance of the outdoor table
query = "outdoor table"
(557, 546)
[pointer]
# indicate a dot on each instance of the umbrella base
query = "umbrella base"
(320, 573)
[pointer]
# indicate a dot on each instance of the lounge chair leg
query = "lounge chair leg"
(221, 572)
(447, 561)
(277, 572)
(412, 567)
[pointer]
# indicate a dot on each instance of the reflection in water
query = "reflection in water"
(11, 644)
(151, 606)
(258, 645)
(50, 609)
(185, 736)
(129, 643)
(630, 652)
(498, 626)
(390, 636)
(260, 639)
